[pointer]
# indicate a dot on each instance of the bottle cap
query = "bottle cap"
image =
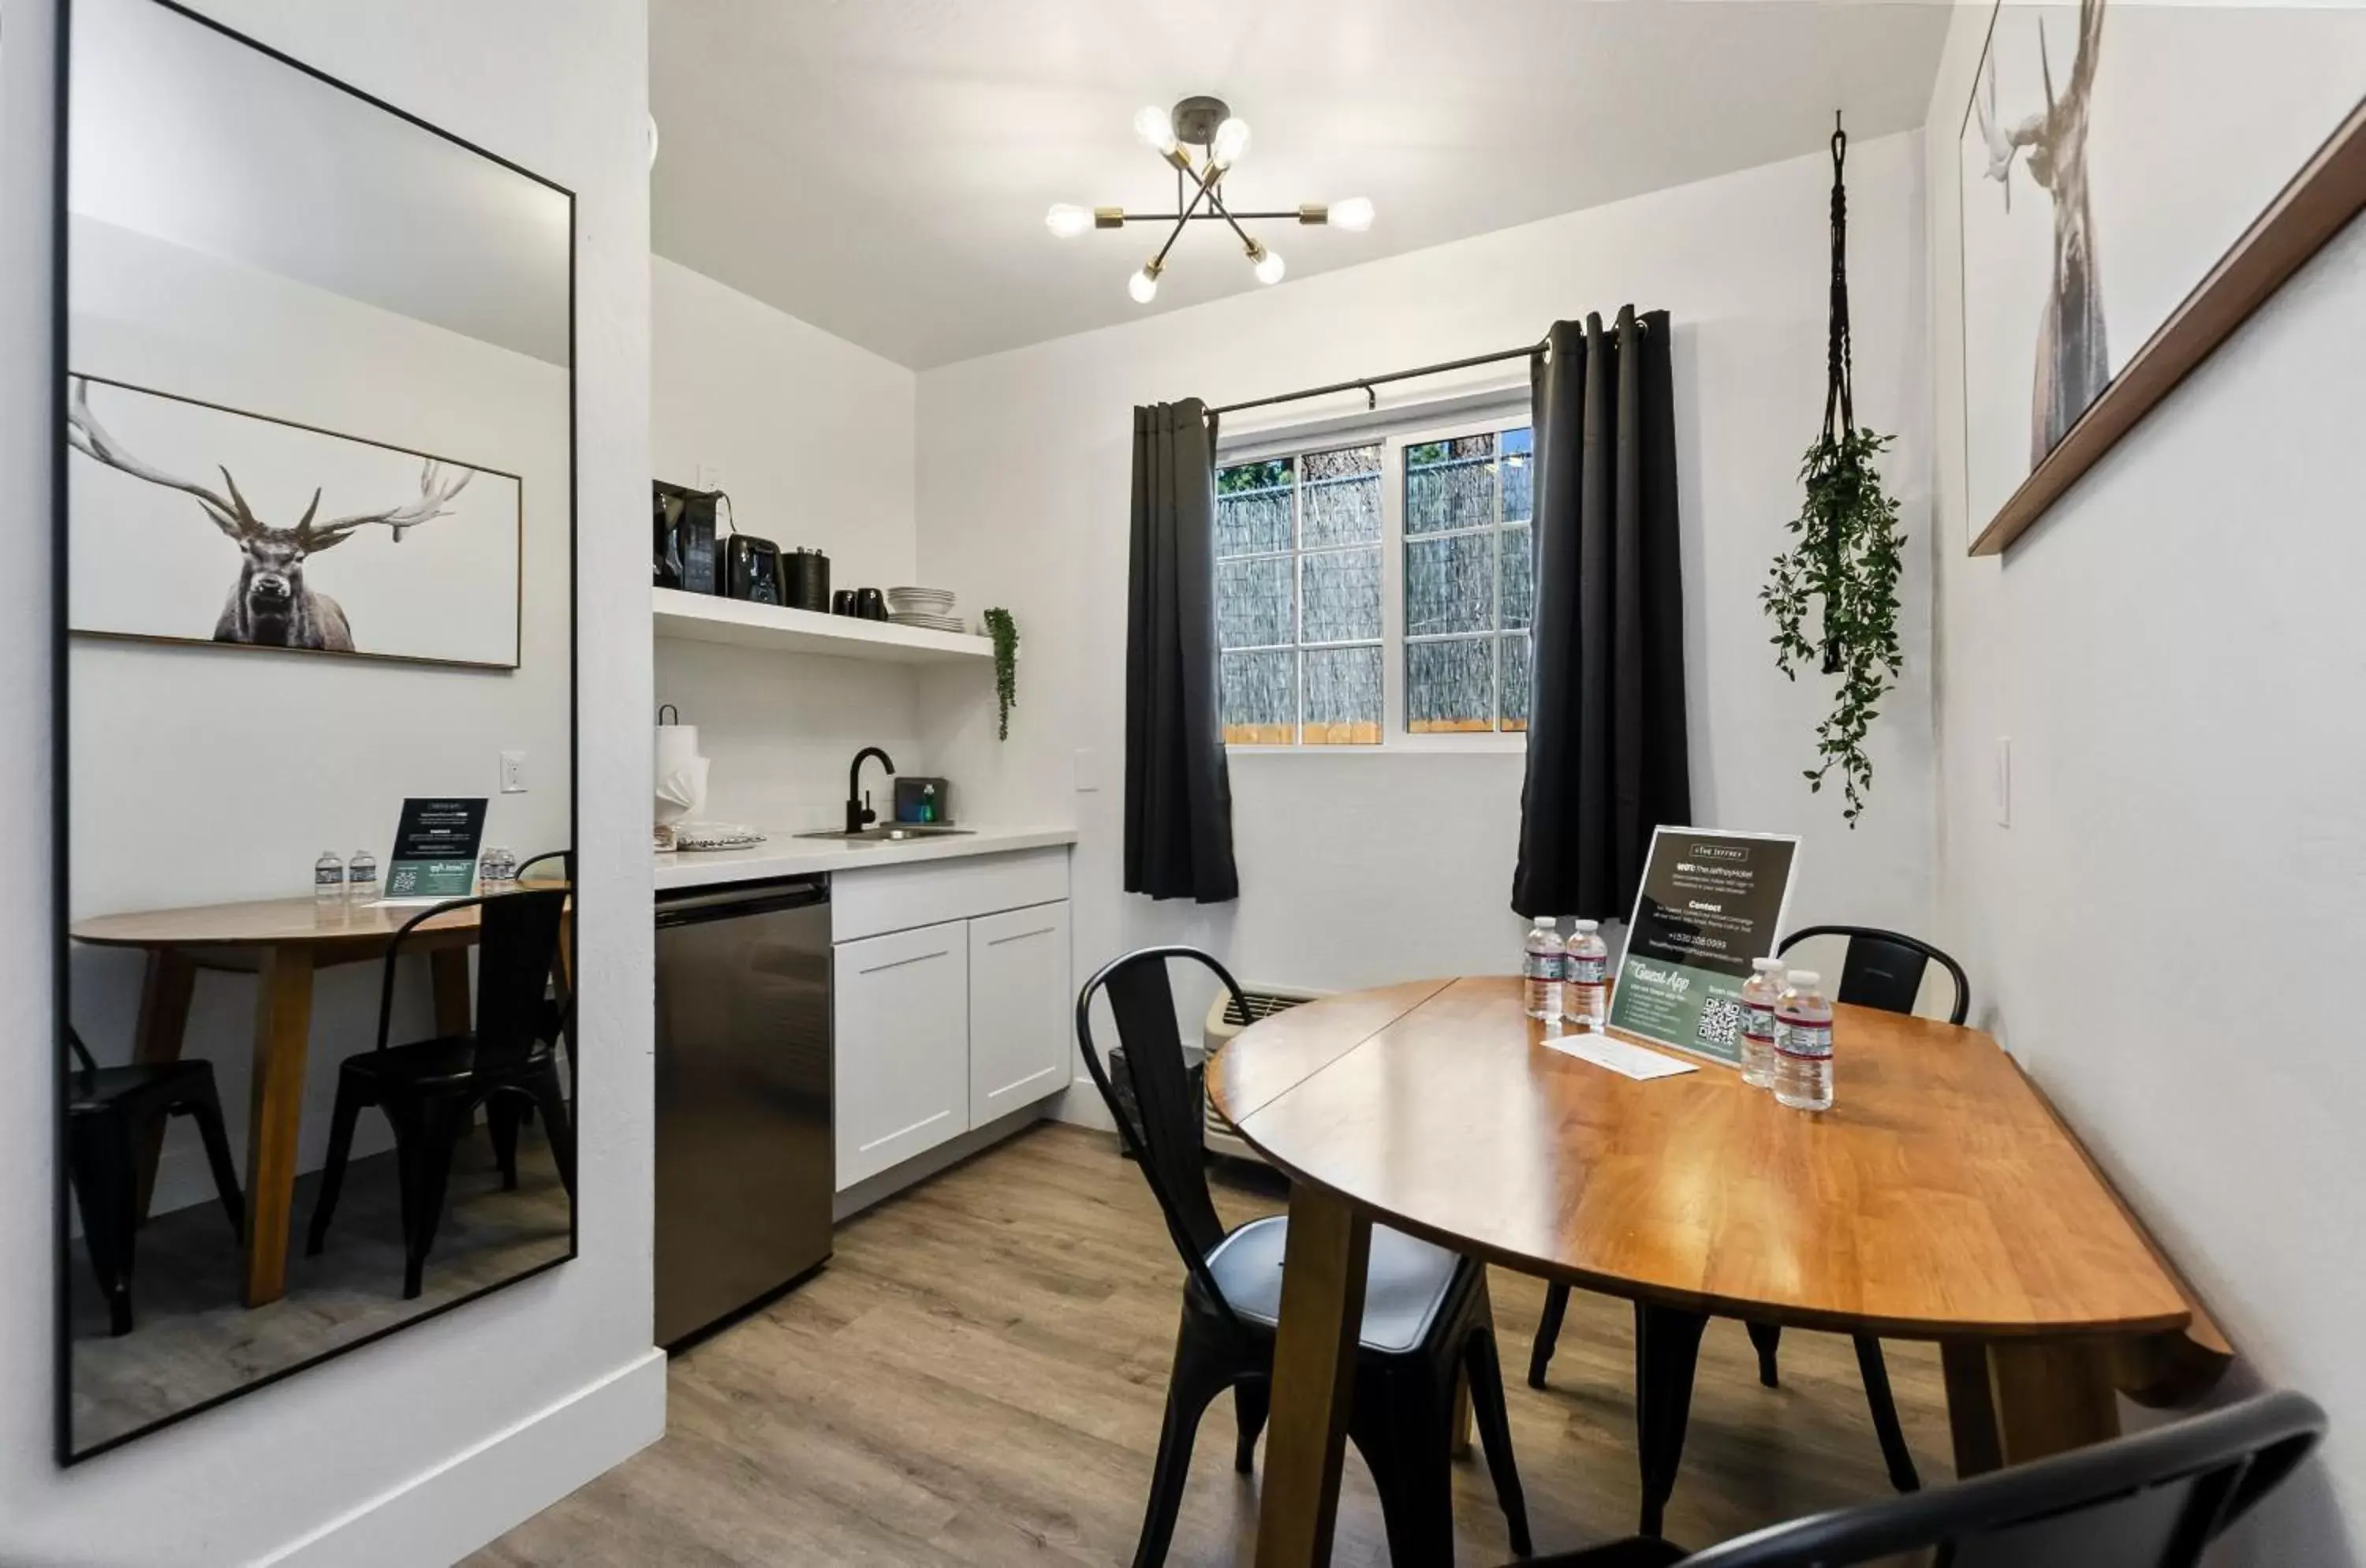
(1766, 965)
(1588, 926)
(1804, 977)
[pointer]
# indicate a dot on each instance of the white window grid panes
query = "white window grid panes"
(1475, 540)
(1292, 678)
(1300, 663)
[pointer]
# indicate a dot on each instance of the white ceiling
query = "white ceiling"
(881, 167)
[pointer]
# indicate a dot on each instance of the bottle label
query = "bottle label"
(327, 877)
(1588, 969)
(1758, 1021)
(1543, 966)
(1798, 1037)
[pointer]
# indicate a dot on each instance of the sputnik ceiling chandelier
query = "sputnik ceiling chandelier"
(1208, 124)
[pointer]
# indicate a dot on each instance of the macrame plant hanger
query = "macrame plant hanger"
(1839, 407)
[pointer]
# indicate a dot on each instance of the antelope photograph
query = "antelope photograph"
(429, 562)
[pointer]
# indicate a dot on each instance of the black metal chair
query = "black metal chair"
(1878, 969)
(430, 1090)
(1426, 1319)
(112, 1114)
(2155, 1500)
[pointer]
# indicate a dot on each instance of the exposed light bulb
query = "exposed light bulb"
(1231, 142)
(1156, 128)
(1067, 219)
(1143, 285)
(1269, 267)
(1355, 214)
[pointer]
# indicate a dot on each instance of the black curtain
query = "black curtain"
(1607, 750)
(1178, 795)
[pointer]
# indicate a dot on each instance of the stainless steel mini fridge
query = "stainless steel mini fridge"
(745, 1170)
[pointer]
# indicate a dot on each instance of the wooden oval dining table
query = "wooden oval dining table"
(282, 942)
(1940, 1199)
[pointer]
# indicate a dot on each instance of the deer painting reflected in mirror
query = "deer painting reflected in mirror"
(419, 602)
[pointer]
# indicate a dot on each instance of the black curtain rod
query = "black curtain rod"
(1366, 383)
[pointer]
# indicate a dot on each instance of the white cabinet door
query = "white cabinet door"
(901, 1004)
(1020, 1009)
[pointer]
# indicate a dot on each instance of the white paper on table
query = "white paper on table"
(1627, 1061)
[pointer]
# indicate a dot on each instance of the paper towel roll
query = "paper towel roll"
(677, 748)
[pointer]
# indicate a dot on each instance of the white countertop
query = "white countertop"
(784, 854)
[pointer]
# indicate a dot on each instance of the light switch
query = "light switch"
(513, 773)
(2004, 781)
(1088, 770)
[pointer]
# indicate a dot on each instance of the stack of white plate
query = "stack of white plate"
(930, 607)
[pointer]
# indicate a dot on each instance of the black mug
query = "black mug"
(842, 602)
(870, 604)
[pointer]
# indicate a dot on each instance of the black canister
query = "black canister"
(806, 579)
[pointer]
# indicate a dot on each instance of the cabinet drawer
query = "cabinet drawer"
(898, 897)
(901, 1056)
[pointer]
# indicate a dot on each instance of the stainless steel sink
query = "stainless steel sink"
(890, 835)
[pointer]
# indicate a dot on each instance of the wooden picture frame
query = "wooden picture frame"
(2315, 205)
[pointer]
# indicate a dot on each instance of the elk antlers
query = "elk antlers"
(86, 435)
(232, 515)
(435, 489)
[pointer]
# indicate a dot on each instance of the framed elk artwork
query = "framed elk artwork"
(189, 523)
(2136, 180)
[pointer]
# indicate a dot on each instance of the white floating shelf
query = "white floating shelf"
(736, 623)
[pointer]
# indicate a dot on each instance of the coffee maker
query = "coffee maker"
(682, 539)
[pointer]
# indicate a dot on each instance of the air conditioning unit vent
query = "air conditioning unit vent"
(1226, 1020)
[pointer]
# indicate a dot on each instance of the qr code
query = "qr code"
(1720, 1020)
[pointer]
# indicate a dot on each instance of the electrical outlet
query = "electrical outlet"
(2004, 781)
(710, 476)
(1088, 770)
(513, 773)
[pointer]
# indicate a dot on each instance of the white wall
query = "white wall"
(1357, 869)
(814, 440)
(414, 1450)
(2161, 934)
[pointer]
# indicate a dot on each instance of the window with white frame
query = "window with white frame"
(1376, 590)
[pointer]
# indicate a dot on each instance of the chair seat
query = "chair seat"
(428, 1063)
(1638, 1552)
(90, 1093)
(1406, 1286)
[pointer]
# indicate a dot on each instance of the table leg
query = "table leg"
(1667, 1352)
(455, 995)
(283, 1024)
(1459, 1421)
(2011, 1400)
(164, 996)
(1324, 1264)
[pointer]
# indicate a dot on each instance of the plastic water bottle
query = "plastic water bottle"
(1585, 976)
(1759, 995)
(328, 879)
(361, 877)
(1543, 971)
(1803, 1044)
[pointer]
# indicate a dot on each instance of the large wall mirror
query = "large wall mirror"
(316, 539)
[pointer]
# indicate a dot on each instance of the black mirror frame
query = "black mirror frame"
(60, 734)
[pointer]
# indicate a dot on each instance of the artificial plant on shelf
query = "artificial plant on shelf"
(1833, 593)
(1005, 632)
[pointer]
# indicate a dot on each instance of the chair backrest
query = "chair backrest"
(566, 859)
(517, 948)
(1887, 970)
(2154, 1500)
(1163, 1132)
(80, 1052)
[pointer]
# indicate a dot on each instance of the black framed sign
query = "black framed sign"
(1710, 903)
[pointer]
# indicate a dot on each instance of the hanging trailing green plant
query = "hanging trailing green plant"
(1005, 632)
(1845, 556)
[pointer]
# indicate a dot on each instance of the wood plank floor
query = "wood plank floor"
(977, 1378)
